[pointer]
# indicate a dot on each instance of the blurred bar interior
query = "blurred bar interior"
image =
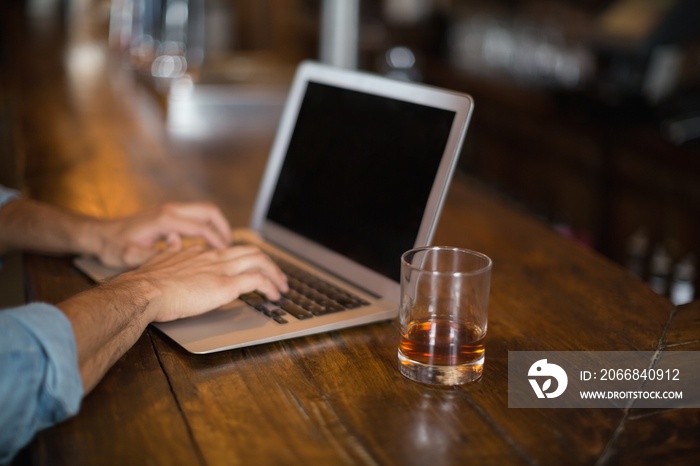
(587, 115)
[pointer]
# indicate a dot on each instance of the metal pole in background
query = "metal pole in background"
(340, 22)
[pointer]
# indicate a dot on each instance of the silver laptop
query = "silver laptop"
(357, 175)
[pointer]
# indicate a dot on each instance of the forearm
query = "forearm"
(30, 225)
(107, 321)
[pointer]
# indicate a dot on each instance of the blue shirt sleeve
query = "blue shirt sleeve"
(40, 383)
(7, 194)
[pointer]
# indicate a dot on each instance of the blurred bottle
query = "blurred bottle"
(637, 251)
(400, 64)
(164, 38)
(135, 29)
(683, 286)
(182, 45)
(660, 270)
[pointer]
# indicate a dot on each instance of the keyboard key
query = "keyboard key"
(295, 310)
(308, 296)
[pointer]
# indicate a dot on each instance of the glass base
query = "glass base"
(441, 375)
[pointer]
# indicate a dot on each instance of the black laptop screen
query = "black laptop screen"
(358, 173)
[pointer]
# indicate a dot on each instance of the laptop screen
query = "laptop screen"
(358, 173)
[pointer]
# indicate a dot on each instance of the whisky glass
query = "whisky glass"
(443, 314)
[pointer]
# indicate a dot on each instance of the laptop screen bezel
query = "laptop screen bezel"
(358, 274)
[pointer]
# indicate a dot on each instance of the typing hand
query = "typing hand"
(130, 241)
(187, 282)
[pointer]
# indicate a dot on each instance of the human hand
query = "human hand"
(195, 280)
(109, 318)
(130, 241)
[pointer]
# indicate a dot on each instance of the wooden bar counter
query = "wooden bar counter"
(90, 137)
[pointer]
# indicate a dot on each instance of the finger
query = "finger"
(256, 281)
(174, 241)
(241, 259)
(203, 212)
(181, 254)
(186, 227)
(135, 255)
(221, 288)
(240, 250)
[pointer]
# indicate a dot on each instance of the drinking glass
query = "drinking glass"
(443, 314)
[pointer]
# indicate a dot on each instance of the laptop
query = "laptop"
(357, 174)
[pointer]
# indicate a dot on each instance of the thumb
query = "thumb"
(135, 254)
(174, 242)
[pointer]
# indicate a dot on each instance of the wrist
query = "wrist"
(111, 307)
(91, 237)
(138, 293)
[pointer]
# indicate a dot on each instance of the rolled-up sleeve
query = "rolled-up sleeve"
(40, 382)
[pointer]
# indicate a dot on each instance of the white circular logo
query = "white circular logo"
(544, 371)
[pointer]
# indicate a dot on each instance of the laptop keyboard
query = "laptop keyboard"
(309, 296)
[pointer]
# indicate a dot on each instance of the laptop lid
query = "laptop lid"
(358, 171)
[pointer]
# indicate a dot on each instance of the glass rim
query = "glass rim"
(487, 267)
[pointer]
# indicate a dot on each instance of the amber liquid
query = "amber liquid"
(442, 343)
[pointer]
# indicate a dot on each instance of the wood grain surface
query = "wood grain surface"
(96, 140)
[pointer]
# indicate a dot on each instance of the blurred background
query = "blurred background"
(587, 111)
